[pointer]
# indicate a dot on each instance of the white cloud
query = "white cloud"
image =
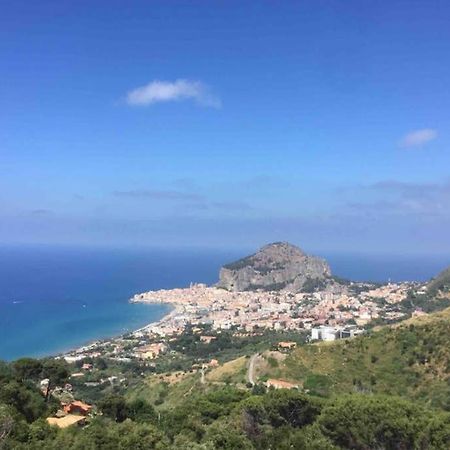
(418, 138)
(167, 91)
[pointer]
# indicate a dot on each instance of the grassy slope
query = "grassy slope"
(231, 371)
(441, 282)
(412, 359)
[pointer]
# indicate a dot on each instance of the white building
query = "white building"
(324, 333)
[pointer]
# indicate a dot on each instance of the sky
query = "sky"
(226, 124)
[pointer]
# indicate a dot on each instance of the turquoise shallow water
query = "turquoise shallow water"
(53, 299)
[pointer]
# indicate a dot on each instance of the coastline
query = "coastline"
(88, 346)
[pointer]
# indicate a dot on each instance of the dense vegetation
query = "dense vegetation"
(441, 283)
(386, 390)
(228, 418)
(410, 360)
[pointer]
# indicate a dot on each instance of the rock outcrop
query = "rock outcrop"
(277, 266)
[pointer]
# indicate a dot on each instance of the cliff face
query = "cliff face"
(274, 267)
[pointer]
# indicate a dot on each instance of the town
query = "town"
(357, 304)
(211, 315)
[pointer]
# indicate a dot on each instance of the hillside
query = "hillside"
(276, 266)
(441, 283)
(410, 360)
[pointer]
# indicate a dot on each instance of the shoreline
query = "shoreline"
(106, 339)
(173, 311)
(200, 304)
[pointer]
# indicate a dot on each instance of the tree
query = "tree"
(115, 407)
(100, 364)
(27, 369)
(27, 401)
(141, 411)
(362, 422)
(56, 371)
(6, 423)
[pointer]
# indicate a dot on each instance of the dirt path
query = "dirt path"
(251, 369)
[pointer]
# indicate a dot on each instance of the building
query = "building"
(418, 312)
(350, 331)
(67, 421)
(207, 339)
(287, 345)
(280, 384)
(327, 333)
(324, 333)
(151, 351)
(77, 407)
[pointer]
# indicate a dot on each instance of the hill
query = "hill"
(411, 360)
(441, 283)
(274, 267)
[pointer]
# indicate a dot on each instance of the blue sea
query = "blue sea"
(53, 299)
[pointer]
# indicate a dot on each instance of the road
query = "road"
(251, 369)
(202, 378)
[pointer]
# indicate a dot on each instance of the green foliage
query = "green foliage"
(279, 408)
(115, 407)
(317, 384)
(314, 284)
(56, 370)
(365, 422)
(25, 399)
(240, 263)
(441, 283)
(27, 369)
(410, 360)
(272, 362)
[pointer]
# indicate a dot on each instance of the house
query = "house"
(86, 366)
(213, 363)
(327, 333)
(67, 421)
(418, 312)
(350, 331)
(287, 345)
(44, 386)
(207, 339)
(77, 407)
(280, 384)
(152, 351)
(324, 333)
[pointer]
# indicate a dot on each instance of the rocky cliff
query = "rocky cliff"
(276, 266)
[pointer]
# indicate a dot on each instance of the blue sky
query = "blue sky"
(226, 124)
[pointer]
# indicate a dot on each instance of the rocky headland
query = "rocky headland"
(277, 266)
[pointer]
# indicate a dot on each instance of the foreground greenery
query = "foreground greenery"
(228, 418)
(387, 390)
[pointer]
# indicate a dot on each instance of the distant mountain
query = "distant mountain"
(441, 283)
(274, 267)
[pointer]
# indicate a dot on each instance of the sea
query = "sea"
(53, 298)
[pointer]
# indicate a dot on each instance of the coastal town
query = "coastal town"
(321, 315)
(208, 313)
(264, 307)
(277, 310)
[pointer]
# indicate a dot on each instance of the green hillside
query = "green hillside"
(355, 388)
(441, 283)
(410, 360)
